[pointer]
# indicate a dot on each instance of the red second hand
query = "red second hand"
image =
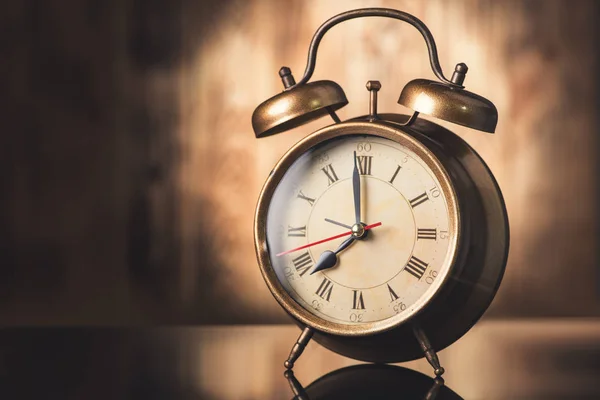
(327, 240)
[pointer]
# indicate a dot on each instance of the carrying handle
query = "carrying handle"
(374, 12)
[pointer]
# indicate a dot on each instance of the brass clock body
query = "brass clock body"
(479, 228)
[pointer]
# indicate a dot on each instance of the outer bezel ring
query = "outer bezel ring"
(353, 128)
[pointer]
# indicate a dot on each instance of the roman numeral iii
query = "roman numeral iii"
(331, 175)
(299, 232)
(420, 199)
(416, 267)
(324, 290)
(358, 302)
(302, 263)
(364, 164)
(427, 233)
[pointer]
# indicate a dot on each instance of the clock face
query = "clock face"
(394, 268)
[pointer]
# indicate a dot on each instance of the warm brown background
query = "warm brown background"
(129, 171)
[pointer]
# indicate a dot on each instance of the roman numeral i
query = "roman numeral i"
(395, 174)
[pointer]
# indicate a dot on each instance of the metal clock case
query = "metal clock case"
(439, 286)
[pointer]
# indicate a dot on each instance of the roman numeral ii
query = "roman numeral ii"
(420, 199)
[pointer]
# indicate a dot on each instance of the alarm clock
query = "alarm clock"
(385, 237)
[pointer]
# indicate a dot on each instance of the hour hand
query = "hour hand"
(329, 258)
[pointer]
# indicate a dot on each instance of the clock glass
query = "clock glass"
(388, 271)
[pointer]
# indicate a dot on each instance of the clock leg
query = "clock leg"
(435, 389)
(297, 388)
(298, 348)
(430, 353)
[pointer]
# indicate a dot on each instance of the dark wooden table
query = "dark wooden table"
(496, 360)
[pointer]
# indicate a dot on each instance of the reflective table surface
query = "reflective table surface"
(540, 359)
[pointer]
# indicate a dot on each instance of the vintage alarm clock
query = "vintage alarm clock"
(385, 236)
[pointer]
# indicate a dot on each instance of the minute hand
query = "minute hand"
(356, 190)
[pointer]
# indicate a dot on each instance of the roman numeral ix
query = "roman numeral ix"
(416, 267)
(304, 197)
(302, 263)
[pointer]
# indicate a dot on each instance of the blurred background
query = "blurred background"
(129, 171)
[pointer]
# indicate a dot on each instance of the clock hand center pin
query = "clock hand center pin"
(329, 258)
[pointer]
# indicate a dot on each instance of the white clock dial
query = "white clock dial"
(394, 268)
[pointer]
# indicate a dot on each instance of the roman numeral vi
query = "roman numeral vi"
(358, 302)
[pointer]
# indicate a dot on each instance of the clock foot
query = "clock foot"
(430, 353)
(297, 388)
(435, 389)
(298, 348)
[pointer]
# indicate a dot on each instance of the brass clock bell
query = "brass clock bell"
(385, 237)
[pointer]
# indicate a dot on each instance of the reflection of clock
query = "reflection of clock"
(385, 236)
(372, 382)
